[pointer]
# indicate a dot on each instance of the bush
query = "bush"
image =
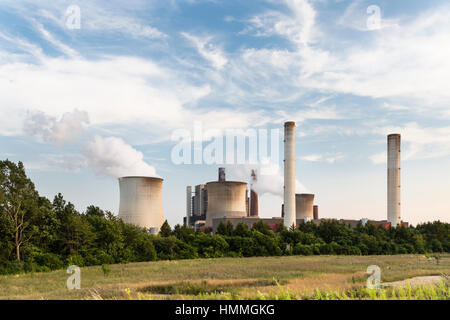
(49, 260)
(76, 260)
(8, 267)
(303, 249)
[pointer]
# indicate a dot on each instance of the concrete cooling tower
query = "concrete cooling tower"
(304, 206)
(225, 199)
(141, 202)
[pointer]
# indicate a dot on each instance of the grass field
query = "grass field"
(260, 277)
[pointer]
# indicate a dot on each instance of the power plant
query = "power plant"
(228, 201)
(141, 202)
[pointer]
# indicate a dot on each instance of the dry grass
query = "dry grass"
(244, 276)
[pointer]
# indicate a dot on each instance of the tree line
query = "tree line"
(37, 234)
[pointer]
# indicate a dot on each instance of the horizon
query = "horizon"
(106, 92)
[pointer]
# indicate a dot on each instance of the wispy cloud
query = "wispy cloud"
(207, 50)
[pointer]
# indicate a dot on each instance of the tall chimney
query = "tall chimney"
(289, 174)
(316, 212)
(253, 196)
(221, 174)
(393, 179)
(188, 205)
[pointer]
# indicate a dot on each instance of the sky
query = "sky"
(93, 90)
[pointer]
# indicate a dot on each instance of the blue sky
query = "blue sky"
(81, 106)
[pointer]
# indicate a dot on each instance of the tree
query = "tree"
(18, 200)
(165, 230)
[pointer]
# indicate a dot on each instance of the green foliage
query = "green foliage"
(165, 230)
(55, 235)
(106, 270)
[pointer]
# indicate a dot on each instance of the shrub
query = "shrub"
(76, 260)
(49, 260)
(303, 249)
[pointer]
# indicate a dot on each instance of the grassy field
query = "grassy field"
(261, 277)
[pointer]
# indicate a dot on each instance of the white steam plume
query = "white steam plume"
(113, 157)
(269, 178)
(49, 129)
(106, 156)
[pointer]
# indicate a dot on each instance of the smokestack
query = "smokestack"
(188, 204)
(316, 212)
(253, 196)
(289, 174)
(141, 202)
(393, 179)
(221, 174)
(253, 204)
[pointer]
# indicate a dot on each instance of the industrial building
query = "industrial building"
(141, 202)
(227, 201)
(223, 201)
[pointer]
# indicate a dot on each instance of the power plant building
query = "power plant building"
(141, 202)
(228, 201)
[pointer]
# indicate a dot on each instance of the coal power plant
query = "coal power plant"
(214, 202)
(227, 201)
(141, 202)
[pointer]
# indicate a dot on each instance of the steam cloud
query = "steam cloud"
(113, 157)
(266, 183)
(109, 156)
(49, 129)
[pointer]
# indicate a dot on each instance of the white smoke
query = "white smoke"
(113, 157)
(109, 156)
(67, 129)
(270, 181)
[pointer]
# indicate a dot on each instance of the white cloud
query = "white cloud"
(328, 157)
(297, 25)
(207, 50)
(417, 142)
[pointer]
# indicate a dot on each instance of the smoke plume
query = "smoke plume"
(113, 157)
(108, 156)
(49, 129)
(269, 178)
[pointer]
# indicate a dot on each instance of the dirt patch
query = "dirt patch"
(206, 287)
(414, 282)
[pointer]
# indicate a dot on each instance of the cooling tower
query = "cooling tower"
(393, 179)
(225, 199)
(141, 202)
(289, 174)
(304, 206)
